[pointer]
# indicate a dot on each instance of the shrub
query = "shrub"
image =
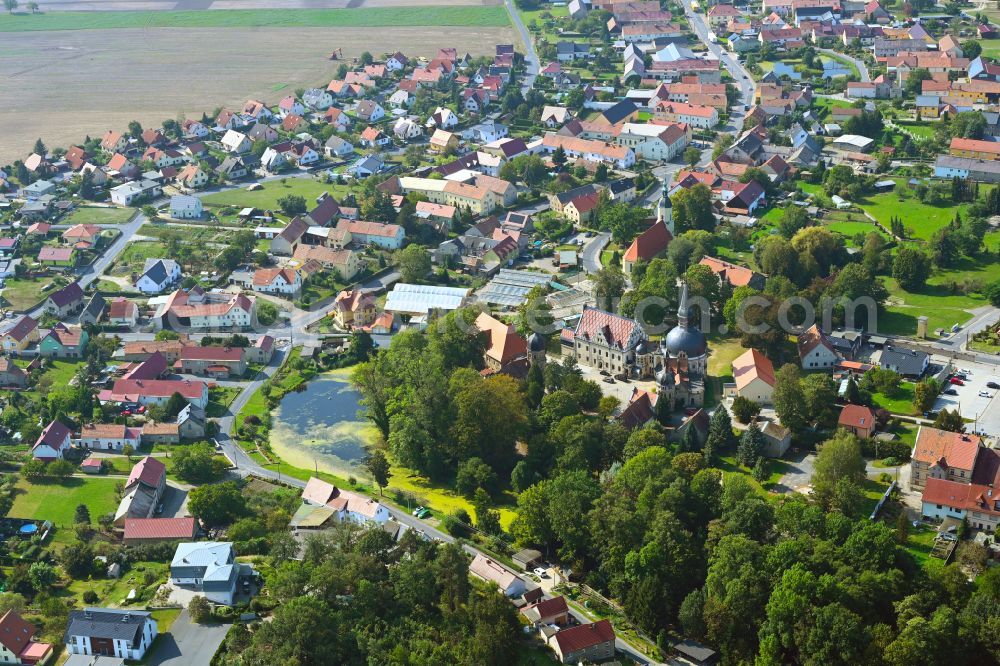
(90, 597)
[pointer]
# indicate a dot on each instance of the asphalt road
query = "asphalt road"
(531, 59)
(188, 644)
(591, 255)
(740, 75)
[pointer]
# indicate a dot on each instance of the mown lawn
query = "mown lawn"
(57, 502)
(96, 215)
(371, 17)
(901, 402)
(111, 592)
(269, 193)
(920, 220)
(922, 130)
(133, 257)
(23, 293)
(943, 308)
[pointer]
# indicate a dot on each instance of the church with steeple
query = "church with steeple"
(678, 364)
(652, 242)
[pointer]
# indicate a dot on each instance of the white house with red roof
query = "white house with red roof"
(52, 443)
(491, 571)
(816, 352)
(344, 504)
(277, 281)
(593, 642)
(754, 375)
(16, 646)
(155, 392)
(109, 436)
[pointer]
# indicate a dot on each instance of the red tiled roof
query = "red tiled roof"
(581, 637)
(129, 390)
(953, 449)
(856, 416)
(966, 496)
(192, 353)
(753, 365)
(159, 528)
(54, 435)
(149, 471)
(605, 328)
(958, 143)
(15, 632)
(811, 339)
(505, 344)
(649, 243)
(738, 276)
(548, 608)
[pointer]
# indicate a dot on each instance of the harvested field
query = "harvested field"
(64, 85)
(432, 16)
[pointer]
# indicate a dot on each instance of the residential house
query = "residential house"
(337, 147)
(128, 194)
(944, 455)
(336, 117)
(388, 236)
(735, 275)
(11, 376)
(345, 504)
(975, 149)
(123, 313)
(491, 571)
(158, 275)
(910, 363)
(114, 142)
(857, 419)
(406, 129)
(595, 151)
(369, 111)
(143, 490)
(109, 437)
(290, 105)
(185, 207)
(354, 308)
(156, 391)
(594, 642)
(63, 342)
(442, 118)
(16, 644)
(18, 335)
(93, 311)
(193, 129)
(366, 165)
(233, 167)
(236, 142)
(126, 634)
(443, 142)
(816, 351)
(52, 443)
(695, 115)
(373, 137)
(277, 281)
(65, 302)
(218, 362)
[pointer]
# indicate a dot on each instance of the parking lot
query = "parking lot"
(971, 399)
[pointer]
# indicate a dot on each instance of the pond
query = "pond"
(320, 427)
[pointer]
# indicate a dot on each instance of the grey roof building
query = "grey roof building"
(907, 362)
(107, 631)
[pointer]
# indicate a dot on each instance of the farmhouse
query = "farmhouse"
(155, 391)
(109, 437)
(219, 362)
(345, 504)
(143, 490)
(159, 530)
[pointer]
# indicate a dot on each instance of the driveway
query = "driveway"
(798, 478)
(188, 644)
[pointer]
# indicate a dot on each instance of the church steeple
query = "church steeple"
(665, 211)
(682, 309)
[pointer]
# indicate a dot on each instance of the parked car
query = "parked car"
(540, 572)
(992, 385)
(951, 392)
(956, 381)
(608, 380)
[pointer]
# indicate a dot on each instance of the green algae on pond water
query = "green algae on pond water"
(320, 427)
